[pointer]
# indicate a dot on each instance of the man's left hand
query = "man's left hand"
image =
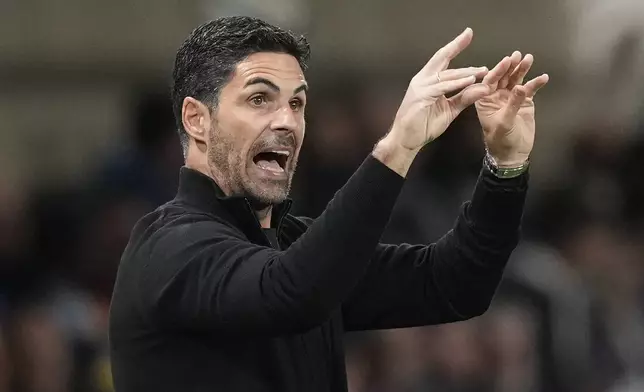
(507, 115)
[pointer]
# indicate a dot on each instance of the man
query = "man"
(222, 290)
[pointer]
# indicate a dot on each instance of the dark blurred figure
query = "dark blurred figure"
(149, 165)
(58, 269)
(440, 182)
(15, 259)
(31, 354)
(580, 268)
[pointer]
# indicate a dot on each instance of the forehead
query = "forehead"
(280, 68)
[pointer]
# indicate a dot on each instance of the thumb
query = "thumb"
(469, 95)
(514, 104)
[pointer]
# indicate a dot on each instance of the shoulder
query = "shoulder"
(175, 227)
(183, 226)
(166, 241)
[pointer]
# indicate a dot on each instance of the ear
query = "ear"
(195, 117)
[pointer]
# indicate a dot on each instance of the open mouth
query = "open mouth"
(273, 161)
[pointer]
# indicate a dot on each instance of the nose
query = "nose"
(284, 120)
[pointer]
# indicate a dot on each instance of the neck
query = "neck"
(263, 212)
(264, 217)
(198, 163)
(193, 162)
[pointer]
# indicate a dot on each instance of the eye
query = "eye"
(296, 104)
(258, 100)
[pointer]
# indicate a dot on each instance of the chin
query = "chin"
(266, 188)
(267, 194)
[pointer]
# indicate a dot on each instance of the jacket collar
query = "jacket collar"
(201, 191)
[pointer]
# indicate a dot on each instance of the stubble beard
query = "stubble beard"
(229, 168)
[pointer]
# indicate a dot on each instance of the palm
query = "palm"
(426, 111)
(507, 114)
(428, 118)
(444, 112)
(440, 114)
(519, 131)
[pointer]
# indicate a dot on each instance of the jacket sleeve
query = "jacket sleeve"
(205, 275)
(450, 280)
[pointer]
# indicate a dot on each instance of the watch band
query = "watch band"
(504, 172)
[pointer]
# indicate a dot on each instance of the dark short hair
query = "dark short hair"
(207, 59)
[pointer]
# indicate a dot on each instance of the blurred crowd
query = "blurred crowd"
(567, 317)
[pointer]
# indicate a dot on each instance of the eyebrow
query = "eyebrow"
(304, 87)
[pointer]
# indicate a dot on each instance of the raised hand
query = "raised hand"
(425, 112)
(507, 114)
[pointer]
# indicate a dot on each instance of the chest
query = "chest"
(311, 361)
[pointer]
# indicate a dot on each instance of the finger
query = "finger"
(535, 84)
(514, 104)
(440, 60)
(449, 86)
(459, 73)
(469, 95)
(515, 60)
(493, 77)
(520, 71)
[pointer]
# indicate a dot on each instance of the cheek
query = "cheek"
(244, 127)
(299, 134)
(299, 141)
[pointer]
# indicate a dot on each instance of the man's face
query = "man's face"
(258, 128)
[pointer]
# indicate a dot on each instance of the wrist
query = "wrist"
(506, 169)
(509, 163)
(506, 160)
(394, 155)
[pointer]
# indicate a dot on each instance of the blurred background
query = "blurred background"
(87, 146)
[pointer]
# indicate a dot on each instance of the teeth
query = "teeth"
(286, 153)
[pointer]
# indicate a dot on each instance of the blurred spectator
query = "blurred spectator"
(149, 165)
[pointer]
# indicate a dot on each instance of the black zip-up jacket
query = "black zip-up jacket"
(206, 300)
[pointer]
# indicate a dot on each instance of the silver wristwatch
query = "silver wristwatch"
(504, 172)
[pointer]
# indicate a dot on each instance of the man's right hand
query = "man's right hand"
(425, 112)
